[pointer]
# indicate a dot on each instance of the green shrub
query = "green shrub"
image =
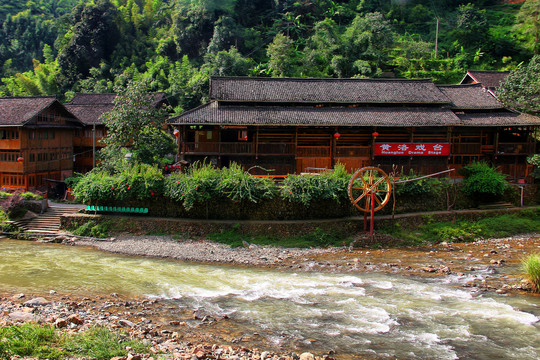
(239, 185)
(92, 229)
(531, 266)
(31, 196)
(73, 180)
(13, 206)
(4, 195)
(422, 187)
(307, 188)
(137, 182)
(3, 216)
(200, 183)
(483, 182)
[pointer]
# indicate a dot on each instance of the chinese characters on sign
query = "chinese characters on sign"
(409, 149)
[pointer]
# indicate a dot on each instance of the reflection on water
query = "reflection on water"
(363, 314)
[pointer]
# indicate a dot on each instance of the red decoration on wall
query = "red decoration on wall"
(337, 135)
(176, 133)
(412, 149)
(20, 159)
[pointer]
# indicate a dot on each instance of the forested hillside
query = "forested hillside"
(64, 46)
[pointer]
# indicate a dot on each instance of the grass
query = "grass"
(92, 229)
(317, 238)
(44, 342)
(499, 226)
(102, 344)
(531, 267)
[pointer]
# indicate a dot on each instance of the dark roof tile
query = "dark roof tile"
(89, 114)
(300, 90)
(489, 79)
(498, 119)
(19, 110)
(214, 114)
(470, 97)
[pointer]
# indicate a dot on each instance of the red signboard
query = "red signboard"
(412, 149)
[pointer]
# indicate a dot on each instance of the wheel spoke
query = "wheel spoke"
(359, 198)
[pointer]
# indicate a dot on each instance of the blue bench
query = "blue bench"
(117, 209)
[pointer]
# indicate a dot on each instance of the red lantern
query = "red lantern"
(337, 135)
(176, 133)
(375, 134)
(20, 159)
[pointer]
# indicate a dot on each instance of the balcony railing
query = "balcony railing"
(265, 148)
(515, 148)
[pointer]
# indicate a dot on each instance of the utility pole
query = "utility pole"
(436, 38)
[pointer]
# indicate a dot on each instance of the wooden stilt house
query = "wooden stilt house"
(36, 142)
(302, 125)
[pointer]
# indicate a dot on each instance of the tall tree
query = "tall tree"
(281, 54)
(521, 89)
(136, 124)
(92, 40)
(529, 23)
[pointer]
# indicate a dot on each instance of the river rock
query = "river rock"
(21, 316)
(75, 319)
(307, 356)
(36, 302)
(60, 323)
(125, 323)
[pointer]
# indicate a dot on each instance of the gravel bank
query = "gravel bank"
(202, 251)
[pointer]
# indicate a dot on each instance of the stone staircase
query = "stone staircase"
(49, 221)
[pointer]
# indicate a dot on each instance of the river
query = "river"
(363, 314)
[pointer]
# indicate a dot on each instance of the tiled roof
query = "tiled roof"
(498, 119)
(92, 99)
(300, 90)
(89, 114)
(470, 97)
(214, 114)
(489, 79)
(89, 107)
(19, 110)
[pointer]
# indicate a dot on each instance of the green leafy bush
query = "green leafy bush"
(13, 206)
(329, 185)
(200, 183)
(238, 185)
(483, 182)
(531, 266)
(422, 187)
(4, 195)
(137, 182)
(92, 229)
(31, 196)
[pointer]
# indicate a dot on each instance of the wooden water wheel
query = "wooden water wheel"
(366, 181)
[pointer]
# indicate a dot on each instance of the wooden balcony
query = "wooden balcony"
(238, 148)
(14, 144)
(515, 148)
(268, 148)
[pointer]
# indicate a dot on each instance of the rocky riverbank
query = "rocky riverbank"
(169, 332)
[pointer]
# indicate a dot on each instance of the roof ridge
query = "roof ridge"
(30, 97)
(459, 85)
(256, 78)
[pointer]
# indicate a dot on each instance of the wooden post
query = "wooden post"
(372, 219)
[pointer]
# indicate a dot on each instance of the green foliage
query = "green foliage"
(13, 206)
(136, 182)
(31, 196)
(200, 183)
(531, 267)
(3, 216)
(526, 221)
(29, 340)
(521, 89)
(92, 229)
(422, 187)
(483, 182)
(239, 185)
(4, 195)
(101, 343)
(535, 160)
(329, 185)
(317, 238)
(528, 21)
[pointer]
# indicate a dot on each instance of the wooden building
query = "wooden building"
(89, 108)
(36, 141)
(301, 125)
